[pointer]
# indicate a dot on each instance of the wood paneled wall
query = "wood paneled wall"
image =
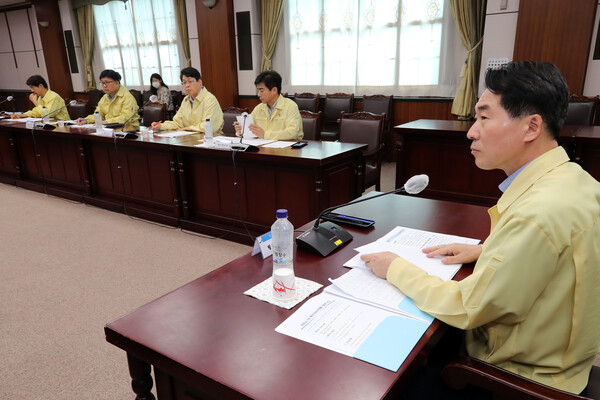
(218, 61)
(558, 31)
(53, 45)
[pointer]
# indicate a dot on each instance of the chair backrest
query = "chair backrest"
(94, 97)
(229, 117)
(580, 113)
(337, 103)
(146, 96)
(378, 104)
(362, 127)
(153, 112)
(311, 124)
(137, 95)
(78, 110)
(307, 101)
(177, 97)
(461, 371)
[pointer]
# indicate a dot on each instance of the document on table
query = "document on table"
(367, 317)
(173, 134)
(255, 142)
(408, 243)
(368, 333)
(280, 144)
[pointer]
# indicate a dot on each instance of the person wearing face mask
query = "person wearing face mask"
(161, 91)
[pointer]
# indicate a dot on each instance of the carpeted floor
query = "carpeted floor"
(66, 269)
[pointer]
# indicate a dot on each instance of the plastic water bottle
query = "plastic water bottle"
(208, 133)
(98, 122)
(45, 116)
(282, 243)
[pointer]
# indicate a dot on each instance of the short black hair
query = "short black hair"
(271, 79)
(36, 80)
(109, 73)
(190, 72)
(530, 87)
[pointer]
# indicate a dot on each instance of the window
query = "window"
(400, 47)
(137, 39)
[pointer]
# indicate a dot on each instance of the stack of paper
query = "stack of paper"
(366, 317)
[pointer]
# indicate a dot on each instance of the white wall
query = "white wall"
(246, 78)
(14, 77)
(499, 34)
(592, 78)
(68, 19)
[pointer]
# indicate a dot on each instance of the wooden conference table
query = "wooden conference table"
(441, 149)
(171, 181)
(207, 340)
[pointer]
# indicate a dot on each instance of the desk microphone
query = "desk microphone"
(49, 126)
(132, 135)
(244, 146)
(9, 98)
(324, 238)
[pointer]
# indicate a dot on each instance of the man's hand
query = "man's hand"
(238, 128)
(82, 121)
(257, 130)
(34, 99)
(379, 262)
(15, 115)
(456, 253)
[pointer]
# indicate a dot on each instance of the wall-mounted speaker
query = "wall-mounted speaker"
(71, 52)
(244, 40)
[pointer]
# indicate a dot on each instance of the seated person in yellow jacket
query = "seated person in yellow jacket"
(276, 117)
(198, 106)
(42, 97)
(117, 105)
(532, 304)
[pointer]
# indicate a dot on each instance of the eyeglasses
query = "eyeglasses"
(106, 83)
(184, 83)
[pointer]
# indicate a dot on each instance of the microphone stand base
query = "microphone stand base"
(324, 239)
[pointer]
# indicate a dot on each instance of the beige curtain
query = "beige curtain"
(469, 16)
(85, 18)
(272, 12)
(181, 12)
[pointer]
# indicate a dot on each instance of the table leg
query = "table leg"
(141, 380)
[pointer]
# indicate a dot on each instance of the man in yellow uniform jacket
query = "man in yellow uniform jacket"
(532, 304)
(276, 117)
(42, 97)
(198, 106)
(117, 105)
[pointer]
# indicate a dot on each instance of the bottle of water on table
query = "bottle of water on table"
(282, 243)
(208, 133)
(98, 122)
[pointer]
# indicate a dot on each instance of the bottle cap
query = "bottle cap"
(282, 213)
(207, 119)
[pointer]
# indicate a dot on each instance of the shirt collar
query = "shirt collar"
(271, 109)
(506, 183)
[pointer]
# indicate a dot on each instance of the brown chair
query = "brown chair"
(381, 104)
(177, 98)
(311, 124)
(94, 97)
(153, 112)
(307, 101)
(137, 95)
(461, 371)
(335, 104)
(78, 110)
(230, 115)
(582, 110)
(146, 96)
(367, 128)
